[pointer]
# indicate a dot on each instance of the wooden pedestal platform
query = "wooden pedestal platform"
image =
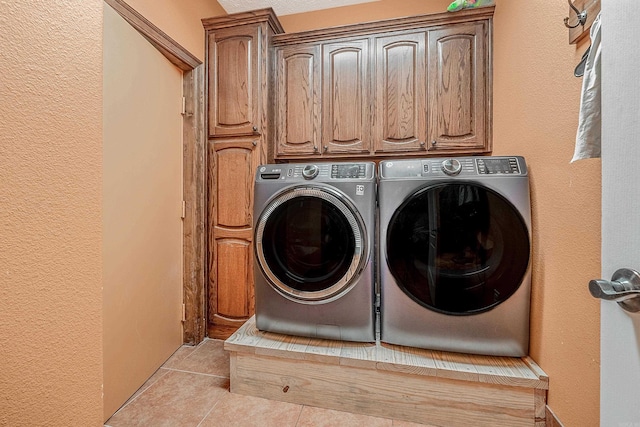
(423, 386)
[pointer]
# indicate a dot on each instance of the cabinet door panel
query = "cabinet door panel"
(345, 102)
(232, 86)
(457, 91)
(233, 169)
(400, 98)
(298, 93)
(234, 283)
(232, 164)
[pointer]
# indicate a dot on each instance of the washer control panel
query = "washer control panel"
(348, 170)
(316, 171)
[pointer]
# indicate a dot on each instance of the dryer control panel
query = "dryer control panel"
(497, 165)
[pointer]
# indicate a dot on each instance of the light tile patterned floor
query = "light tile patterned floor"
(192, 390)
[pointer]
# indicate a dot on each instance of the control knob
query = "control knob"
(310, 171)
(451, 167)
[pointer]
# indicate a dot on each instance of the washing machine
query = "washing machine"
(455, 245)
(314, 250)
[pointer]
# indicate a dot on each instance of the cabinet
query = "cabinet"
(232, 162)
(412, 86)
(233, 86)
(322, 99)
(400, 97)
(238, 77)
(458, 104)
(345, 97)
(297, 126)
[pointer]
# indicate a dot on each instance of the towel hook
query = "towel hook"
(582, 16)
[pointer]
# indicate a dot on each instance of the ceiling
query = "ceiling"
(285, 7)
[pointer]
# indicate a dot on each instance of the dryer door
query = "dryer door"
(457, 248)
(310, 244)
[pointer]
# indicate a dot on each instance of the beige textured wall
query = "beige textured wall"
(50, 213)
(536, 99)
(535, 115)
(180, 19)
(142, 207)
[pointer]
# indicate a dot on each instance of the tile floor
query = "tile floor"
(192, 390)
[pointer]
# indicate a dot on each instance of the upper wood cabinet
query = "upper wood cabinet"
(233, 85)
(345, 97)
(297, 125)
(322, 99)
(400, 93)
(458, 102)
(237, 48)
(412, 86)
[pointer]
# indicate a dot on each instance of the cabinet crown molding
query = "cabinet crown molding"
(242, 18)
(395, 24)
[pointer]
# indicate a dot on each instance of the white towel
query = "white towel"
(588, 137)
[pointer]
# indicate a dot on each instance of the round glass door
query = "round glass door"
(309, 244)
(457, 248)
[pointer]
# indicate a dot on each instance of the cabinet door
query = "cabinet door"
(233, 280)
(345, 97)
(297, 127)
(457, 92)
(233, 81)
(400, 93)
(232, 165)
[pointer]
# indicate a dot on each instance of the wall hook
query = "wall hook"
(582, 16)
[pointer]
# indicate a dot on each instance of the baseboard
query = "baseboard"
(551, 418)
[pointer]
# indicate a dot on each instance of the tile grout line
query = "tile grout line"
(168, 370)
(196, 373)
(299, 415)
(210, 411)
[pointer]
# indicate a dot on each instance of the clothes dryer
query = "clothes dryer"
(455, 254)
(314, 250)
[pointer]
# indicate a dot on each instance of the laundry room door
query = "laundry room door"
(620, 330)
(142, 209)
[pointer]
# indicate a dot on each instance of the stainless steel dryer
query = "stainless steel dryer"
(455, 254)
(314, 250)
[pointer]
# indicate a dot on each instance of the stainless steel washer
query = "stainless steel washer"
(455, 254)
(314, 250)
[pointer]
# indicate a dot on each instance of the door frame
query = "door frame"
(194, 161)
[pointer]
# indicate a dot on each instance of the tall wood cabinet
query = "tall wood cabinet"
(238, 86)
(416, 86)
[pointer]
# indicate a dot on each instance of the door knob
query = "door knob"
(624, 288)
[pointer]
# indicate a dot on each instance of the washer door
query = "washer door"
(457, 248)
(310, 244)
